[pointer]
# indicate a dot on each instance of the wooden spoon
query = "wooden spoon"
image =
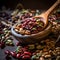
(46, 14)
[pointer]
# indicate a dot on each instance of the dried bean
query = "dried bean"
(31, 46)
(47, 56)
(27, 53)
(26, 57)
(41, 58)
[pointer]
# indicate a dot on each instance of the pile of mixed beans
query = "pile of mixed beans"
(29, 25)
(44, 50)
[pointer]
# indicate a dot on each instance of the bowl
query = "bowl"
(32, 37)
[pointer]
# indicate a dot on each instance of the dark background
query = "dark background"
(32, 4)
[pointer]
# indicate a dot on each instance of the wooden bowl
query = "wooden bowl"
(33, 37)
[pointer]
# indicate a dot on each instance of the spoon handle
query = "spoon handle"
(52, 7)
